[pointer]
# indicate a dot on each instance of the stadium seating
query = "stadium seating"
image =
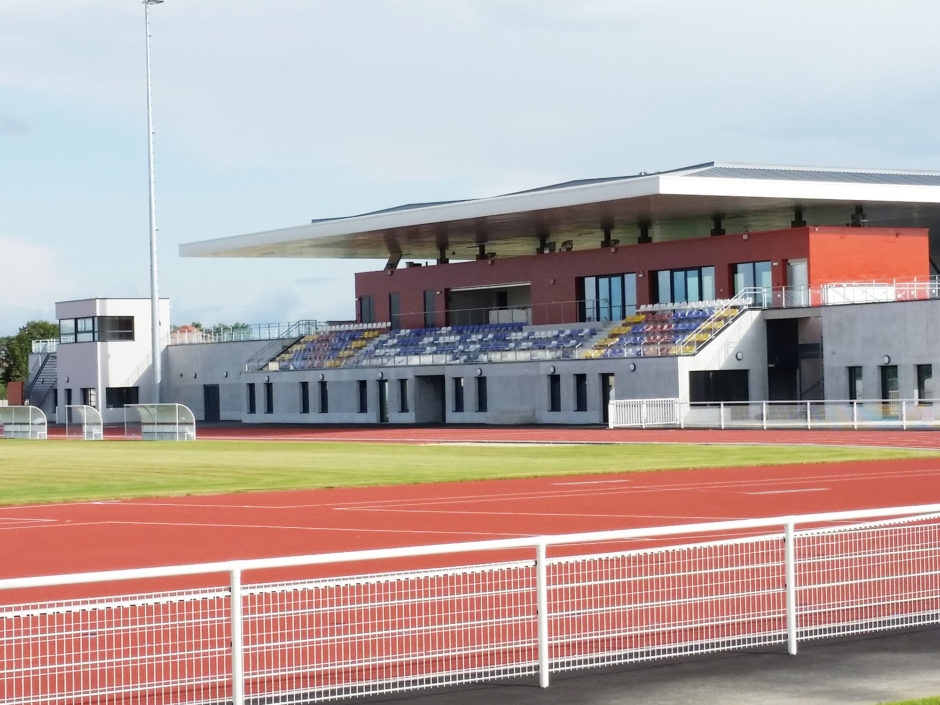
(655, 330)
(665, 329)
(496, 342)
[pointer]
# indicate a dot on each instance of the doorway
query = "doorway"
(210, 403)
(607, 393)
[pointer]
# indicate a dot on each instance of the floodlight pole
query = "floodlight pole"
(154, 296)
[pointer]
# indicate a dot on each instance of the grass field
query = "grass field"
(62, 471)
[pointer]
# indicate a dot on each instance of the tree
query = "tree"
(15, 349)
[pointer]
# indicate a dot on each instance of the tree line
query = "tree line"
(15, 350)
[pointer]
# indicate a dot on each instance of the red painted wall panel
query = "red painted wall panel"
(553, 277)
(864, 254)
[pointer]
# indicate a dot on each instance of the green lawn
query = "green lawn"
(56, 471)
(924, 701)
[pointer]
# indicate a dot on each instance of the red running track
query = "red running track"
(78, 537)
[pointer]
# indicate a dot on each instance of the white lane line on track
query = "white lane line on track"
(704, 486)
(590, 482)
(807, 489)
(6, 521)
(448, 532)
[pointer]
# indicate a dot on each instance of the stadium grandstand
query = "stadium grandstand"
(713, 283)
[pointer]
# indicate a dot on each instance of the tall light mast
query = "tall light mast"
(154, 295)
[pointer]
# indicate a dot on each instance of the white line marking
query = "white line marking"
(591, 482)
(808, 489)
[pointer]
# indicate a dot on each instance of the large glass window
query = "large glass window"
(676, 286)
(607, 298)
(119, 397)
(112, 328)
(85, 330)
(96, 328)
(753, 275)
(67, 330)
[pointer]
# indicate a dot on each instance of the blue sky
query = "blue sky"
(271, 113)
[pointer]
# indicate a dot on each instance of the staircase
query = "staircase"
(42, 382)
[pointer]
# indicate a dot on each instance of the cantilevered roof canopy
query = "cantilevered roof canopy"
(670, 205)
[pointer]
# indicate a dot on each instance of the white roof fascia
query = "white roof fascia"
(798, 190)
(633, 187)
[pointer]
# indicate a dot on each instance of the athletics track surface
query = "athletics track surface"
(92, 536)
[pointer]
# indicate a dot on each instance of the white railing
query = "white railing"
(306, 631)
(849, 414)
(45, 347)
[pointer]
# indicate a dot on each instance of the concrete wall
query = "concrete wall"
(188, 368)
(863, 334)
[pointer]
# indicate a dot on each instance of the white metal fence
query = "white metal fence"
(855, 414)
(308, 633)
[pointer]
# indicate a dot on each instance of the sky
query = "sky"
(271, 113)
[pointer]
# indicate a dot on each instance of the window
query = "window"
(554, 392)
(458, 394)
(85, 330)
(67, 330)
(430, 315)
(89, 396)
(676, 286)
(366, 309)
(855, 383)
(753, 275)
(924, 383)
(324, 397)
(111, 328)
(119, 397)
(68, 397)
(252, 401)
(363, 397)
(580, 392)
(93, 329)
(607, 298)
(481, 393)
(394, 310)
(305, 397)
(403, 396)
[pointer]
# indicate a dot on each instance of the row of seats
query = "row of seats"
(327, 349)
(660, 329)
(464, 344)
(665, 329)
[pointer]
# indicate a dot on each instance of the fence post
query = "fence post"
(904, 415)
(721, 414)
(763, 415)
(541, 587)
(790, 573)
(238, 642)
(855, 414)
(809, 417)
